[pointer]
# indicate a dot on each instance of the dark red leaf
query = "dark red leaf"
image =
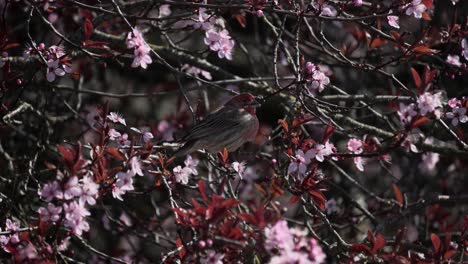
(427, 3)
(416, 78)
(377, 42)
(116, 153)
(426, 16)
(398, 194)
(435, 242)
(429, 74)
(294, 199)
(328, 132)
(284, 124)
(420, 121)
(179, 244)
(424, 50)
(379, 243)
(88, 28)
(201, 187)
(449, 254)
(360, 248)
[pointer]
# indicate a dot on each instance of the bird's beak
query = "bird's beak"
(255, 104)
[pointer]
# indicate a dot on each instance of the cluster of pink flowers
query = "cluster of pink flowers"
(122, 138)
(458, 111)
(141, 51)
(292, 245)
(212, 258)
(427, 103)
(58, 64)
(216, 35)
(393, 21)
(22, 249)
(124, 179)
(316, 79)
(324, 9)
(416, 8)
(430, 103)
(197, 72)
(302, 160)
(70, 196)
(190, 168)
(356, 146)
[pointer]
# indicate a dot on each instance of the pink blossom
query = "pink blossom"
(50, 191)
(90, 190)
(319, 151)
(212, 39)
(357, 2)
(205, 21)
(454, 60)
(135, 166)
(409, 143)
(135, 39)
(415, 8)
(72, 188)
(212, 258)
(192, 70)
(142, 50)
(165, 10)
(291, 257)
(316, 79)
(26, 252)
(166, 130)
(94, 118)
(359, 162)
(123, 184)
(316, 252)
(428, 103)
(51, 213)
(116, 118)
(75, 214)
(355, 145)
(429, 161)
(457, 115)
(324, 9)
(13, 238)
(142, 58)
(301, 162)
(454, 102)
(464, 45)
(278, 237)
(259, 13)
(54, 69)
(113, 134)
(220, 42)
(191, 164)
(393, 21)
(181, 174)
(123, 140)
(406, 113)
(147, 136)
(331, 206)
(239, 167)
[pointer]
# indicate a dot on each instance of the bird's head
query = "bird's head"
(245, 101)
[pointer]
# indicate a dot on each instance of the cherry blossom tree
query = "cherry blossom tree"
(359, 155)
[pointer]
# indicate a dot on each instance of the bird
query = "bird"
(230, 126)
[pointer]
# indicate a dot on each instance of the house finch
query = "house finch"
(228, 127)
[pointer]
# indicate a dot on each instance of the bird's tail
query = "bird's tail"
(184, 150)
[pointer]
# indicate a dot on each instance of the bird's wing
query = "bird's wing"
(214, 124)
